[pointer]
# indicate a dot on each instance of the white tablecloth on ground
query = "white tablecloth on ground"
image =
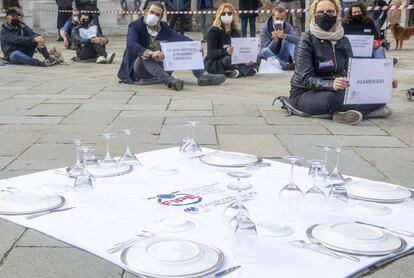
(119, 209)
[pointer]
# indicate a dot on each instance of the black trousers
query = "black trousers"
(328, 102)
(91, 51)
(62, 17)
(173, 20)
(242, 68)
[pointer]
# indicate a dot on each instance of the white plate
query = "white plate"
(356, 239)
(377, 191)
(371, 208)
(26, 203)
(172, 258)
(106, 171)
(273, 229)
(175, 224)
(228, 159)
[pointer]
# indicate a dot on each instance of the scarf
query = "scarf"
(154, 43)
(335, 34)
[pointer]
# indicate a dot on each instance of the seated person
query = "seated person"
(319, 81)
(66, 31)
(219, 49)
(89, 42)
(357, 22)
(143, 56)
(19, 42)
(278, 40)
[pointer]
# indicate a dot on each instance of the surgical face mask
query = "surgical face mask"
(151, 20)
(279, 24)
(226, 19)
(75, 18)
(325, 21)
(15, 22)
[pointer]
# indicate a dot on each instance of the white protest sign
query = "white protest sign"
(361, 45)
(268, 68)
(370, 81)
(89, 33)
(245, 50)
(184, 55)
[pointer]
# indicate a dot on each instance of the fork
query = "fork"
(124, 244)
(322, 249)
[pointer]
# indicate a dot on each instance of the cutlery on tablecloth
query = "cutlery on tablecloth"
(305, 245)
(124, 244)
(34, 215)
(224, 272)
(400, 232)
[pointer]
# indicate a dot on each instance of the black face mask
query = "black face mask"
(15, 22)
(84, 23)
(357, 18)
(325, 22)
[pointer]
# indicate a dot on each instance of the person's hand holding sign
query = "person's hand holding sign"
(230, 50)
(158, 56)
(340, 83)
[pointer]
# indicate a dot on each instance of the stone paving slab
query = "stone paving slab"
(55, 96)
(235, 110)
(204, 134)
(270, 129)
(217, 120)
(52, 110)
(31, 238)
(113, 96)
(29, 120)
(139, 124)
(263, 145)
(127, 114)
(14, 144)
(122, 107)
(10, 233)
(183, 104)
(90, 117)
(279, 118)
(153, 99)
(5, 160)
(364, 128)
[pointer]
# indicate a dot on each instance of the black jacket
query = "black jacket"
(318, 63)
(78, 41)
(248, 5)
(215, 50)
(86, 5)
(21, 39)
(64, 4)
(363, 28)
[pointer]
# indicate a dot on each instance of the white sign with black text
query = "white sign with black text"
(244, 50)
(361, 45)
(370, 81)
(184, 55)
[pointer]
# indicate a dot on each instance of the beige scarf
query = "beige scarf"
(335, 34)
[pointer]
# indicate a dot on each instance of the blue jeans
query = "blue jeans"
(287, 50)
(18, 57)
(379, 53)
(252, 22)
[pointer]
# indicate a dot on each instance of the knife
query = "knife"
(34, 215)
(400, 232)
(225, 272)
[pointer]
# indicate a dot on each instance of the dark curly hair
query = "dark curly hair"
(365, 18)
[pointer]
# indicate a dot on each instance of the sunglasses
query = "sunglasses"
(226, 13)
(328, 12)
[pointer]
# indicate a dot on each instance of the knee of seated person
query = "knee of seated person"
(335, 100)
(266, 51)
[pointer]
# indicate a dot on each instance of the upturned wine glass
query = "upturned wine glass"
(237, 206)
(84, 179)
(189, 147)
(77, 167)
(108, 160)
(315, 192)
(128, 157)
(291, 190)
(335, 176)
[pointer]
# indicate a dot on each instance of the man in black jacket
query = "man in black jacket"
(89, 42)
(19, 42)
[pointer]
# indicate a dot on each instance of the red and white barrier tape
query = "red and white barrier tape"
(261, 11)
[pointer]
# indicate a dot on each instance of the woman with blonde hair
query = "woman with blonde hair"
(219, 49)
(319, 81)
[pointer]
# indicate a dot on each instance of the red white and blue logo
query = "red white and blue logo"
(178, 199)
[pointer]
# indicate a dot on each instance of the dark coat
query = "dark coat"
(215, 50)
(317, 65)
(248, 5)
(22, 40)
(180, 5)
(363, 28)
(64, 3)
(208, 4)
(137, 42)
(86, 5)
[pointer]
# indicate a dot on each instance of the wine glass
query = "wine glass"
(291, 189)
(84, 179)
(315, 192)
(338, 195)
(236, 206)
(108, 160)
(324, 171)
(188, 146)
(77, 167)
(128, 157)
(335, 176)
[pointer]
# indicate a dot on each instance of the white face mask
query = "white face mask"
(76, 18)
(151, 19)
(226, 19)
(279, 22)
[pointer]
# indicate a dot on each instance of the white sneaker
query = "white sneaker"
(111, 58)
(101, 60)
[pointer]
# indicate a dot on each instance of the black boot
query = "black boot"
(208, 79)
(174, 83)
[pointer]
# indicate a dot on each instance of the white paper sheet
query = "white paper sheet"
(120, 207)
(370, 81)
(245, 50)
(180, 56)
(89, 33)
(361, 45)
(268, 68)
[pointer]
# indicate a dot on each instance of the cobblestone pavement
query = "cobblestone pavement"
(41, 108)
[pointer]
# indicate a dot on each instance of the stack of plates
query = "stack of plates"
(377, 192)
(356, 239)
(26, 203)
(106, 171)
(164, 258)
(228, 159)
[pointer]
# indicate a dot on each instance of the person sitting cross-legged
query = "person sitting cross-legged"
(66, 31)
(278, 40)
(19, 42)
(89, 42)
(143, 58)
